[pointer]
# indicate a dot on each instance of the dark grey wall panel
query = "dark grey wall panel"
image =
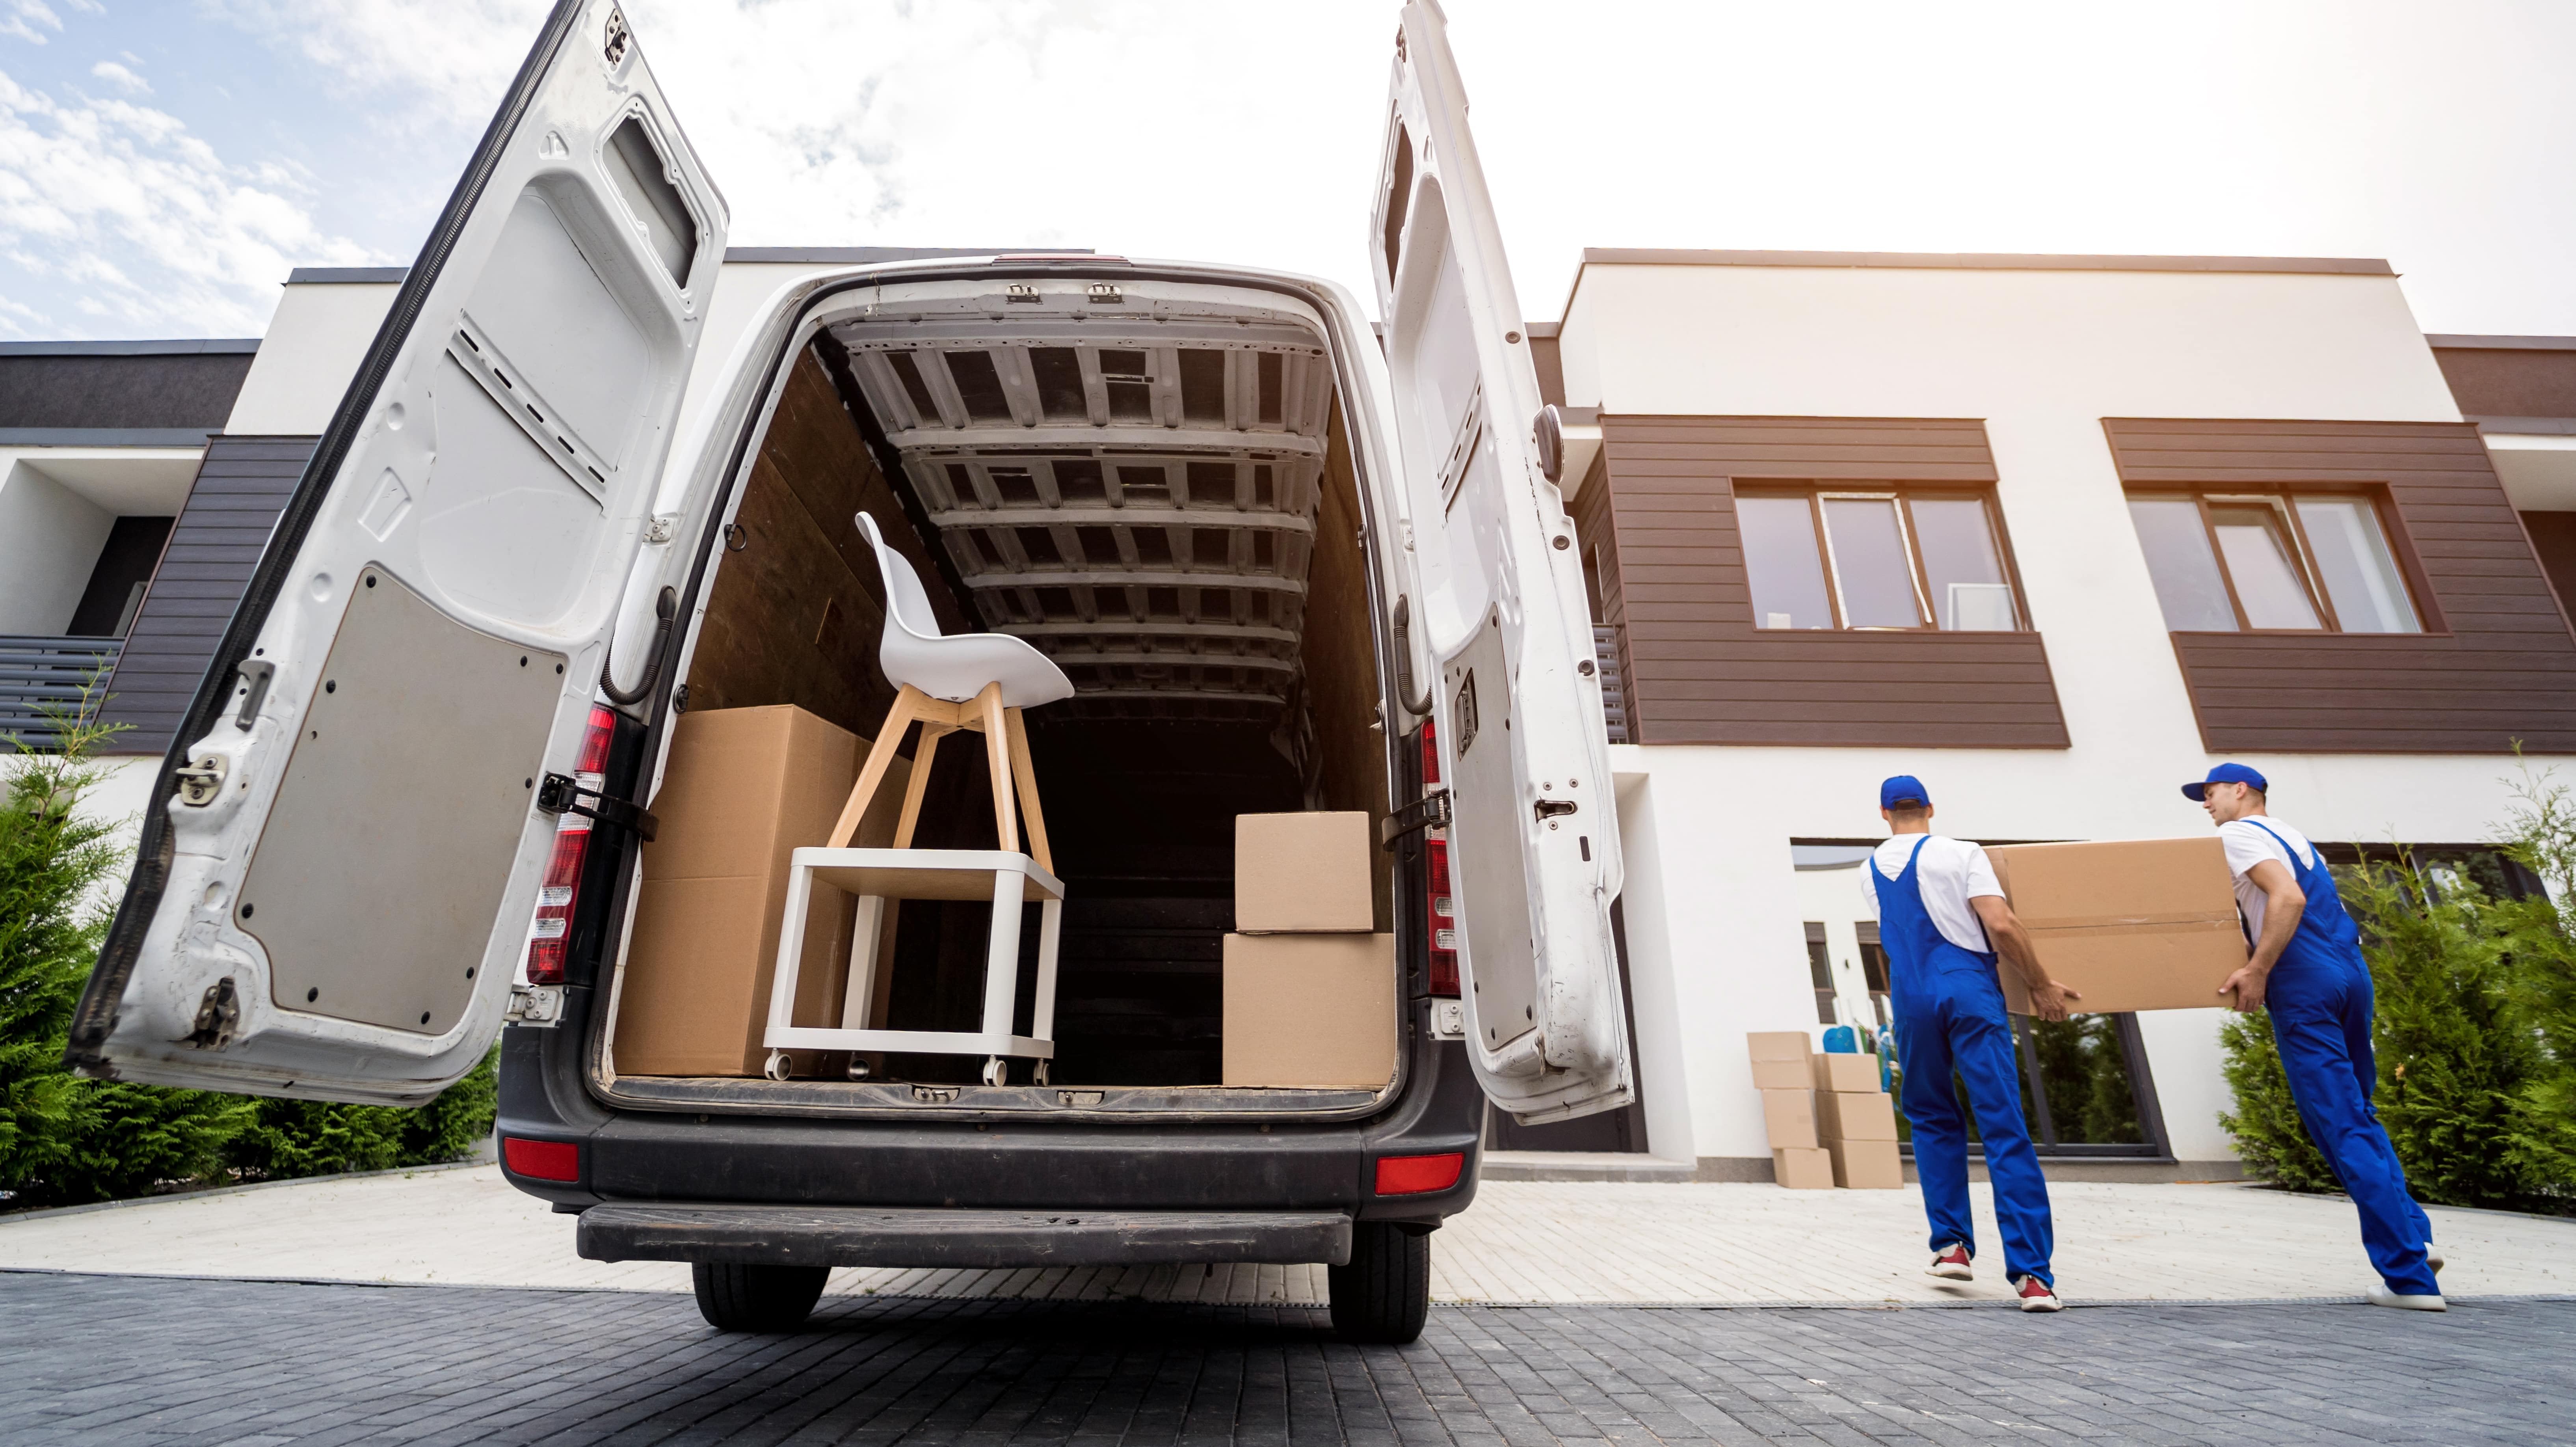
(88, 389)
(241, 486)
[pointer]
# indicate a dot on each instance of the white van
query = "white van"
(1286, 570)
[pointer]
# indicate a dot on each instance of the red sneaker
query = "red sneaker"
(2036, 1295)
(1951, 1264)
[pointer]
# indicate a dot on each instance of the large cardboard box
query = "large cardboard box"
(1309, 1010)
(1304, 872)
(1847, 1115)
(2144, 924)
(744, 787)
(1780, 1059)
(1789, 1118)
(1867, 1165)
(1845, 1071)
(1803, 1168)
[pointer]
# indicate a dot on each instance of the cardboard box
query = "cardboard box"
(1850, 1115)
(1802, 1168)
(1789, 1118)
(1296, 873)
(1867, 1165)
(744, 787)
(1780, 1060)
(1845, 1072)
(2146, 924)
(1310, 1010)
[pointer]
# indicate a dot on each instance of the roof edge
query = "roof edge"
(178, 347)
(1985, 261)
(106, 436)
(347, 275)
(2464, 342)
(788, 255)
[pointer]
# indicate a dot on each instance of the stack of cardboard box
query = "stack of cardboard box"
(1309, 985)
(1787, 1081)
(1857, 1122)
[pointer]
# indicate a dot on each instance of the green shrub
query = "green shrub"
(65, 1140)
(2270, 1139)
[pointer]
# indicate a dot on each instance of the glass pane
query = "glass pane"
(1960, 568)
(1780, 563)
(1870, 563)
(2178, 558)
(2360, 574)
(2263, 563)
(2085, 1075)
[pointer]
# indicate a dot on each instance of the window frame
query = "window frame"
(2285, 501)
(1817, 492)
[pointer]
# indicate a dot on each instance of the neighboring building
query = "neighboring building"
(2054, 533)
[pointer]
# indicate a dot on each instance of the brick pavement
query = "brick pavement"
(112, 1359)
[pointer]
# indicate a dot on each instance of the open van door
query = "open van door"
(1496, 600)
(340, 863)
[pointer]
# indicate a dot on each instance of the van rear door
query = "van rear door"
(338, 868)
(1497, 602)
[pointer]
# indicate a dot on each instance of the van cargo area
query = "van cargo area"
(1153, 485)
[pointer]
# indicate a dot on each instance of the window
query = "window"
(1864, 557)
(2225, 562)
(1820, 971)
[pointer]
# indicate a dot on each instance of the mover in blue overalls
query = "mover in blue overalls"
(2307, 970)
(1942, 919)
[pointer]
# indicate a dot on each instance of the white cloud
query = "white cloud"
(20, 19)
(123, 208)
(123, 79)
(443, 63)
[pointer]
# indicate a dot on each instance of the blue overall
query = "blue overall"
(1950, 1015)
(2320, 1000)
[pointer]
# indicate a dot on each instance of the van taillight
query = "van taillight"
(1435, 883)
(548, 935)
(550, 1160)
(1413, 1175)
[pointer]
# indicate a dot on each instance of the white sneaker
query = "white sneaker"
(2432, 1257)
(1950, 1263)
(2380, 1295)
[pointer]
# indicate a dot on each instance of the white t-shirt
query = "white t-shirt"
(2247, 846)
(1953, 871)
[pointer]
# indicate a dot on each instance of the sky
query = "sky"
(164, 165)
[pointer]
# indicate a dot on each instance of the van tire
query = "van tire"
(1384, 1296)
(735, 1296)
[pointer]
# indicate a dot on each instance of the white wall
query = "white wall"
(2042, 357)
(315, 341)
(50, 537)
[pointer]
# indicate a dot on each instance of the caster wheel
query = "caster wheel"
(858, 1070)
(995, 1072)
(776, 1068)
(1040, 1075)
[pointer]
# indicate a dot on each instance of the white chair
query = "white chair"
(977, 682)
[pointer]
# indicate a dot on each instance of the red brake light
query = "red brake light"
(1435, 884)
(561, 1160)
(560, 889)
(1413, 1175)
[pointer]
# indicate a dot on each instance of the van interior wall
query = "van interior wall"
(1140, 813)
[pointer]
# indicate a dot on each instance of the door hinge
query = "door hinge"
(1431, 811)
(540, 1005)
(202, 782)
(561, 794)
(218, 1016)
(662, 528)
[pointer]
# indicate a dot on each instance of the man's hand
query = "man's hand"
(2246, 985)
(2048, 999)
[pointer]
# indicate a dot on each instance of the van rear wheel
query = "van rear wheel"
(1384, 1295)
(735, 1296)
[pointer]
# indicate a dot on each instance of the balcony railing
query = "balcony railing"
(1614, 683)
(47, 681)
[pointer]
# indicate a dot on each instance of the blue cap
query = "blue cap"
(1904, 787)
(2226, 774)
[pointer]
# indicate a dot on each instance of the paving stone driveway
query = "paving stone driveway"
(107, 1359)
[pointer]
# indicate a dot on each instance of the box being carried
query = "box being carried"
(2141, 924)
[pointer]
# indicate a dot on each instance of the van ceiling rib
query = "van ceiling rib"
(1133, 493)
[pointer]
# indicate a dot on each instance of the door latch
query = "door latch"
(202, 782)
(1553, 808)
(562, 794)
(1431, 811)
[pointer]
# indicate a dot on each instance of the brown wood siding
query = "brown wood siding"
(242, 484)
(1700, 672)
(2502, 665)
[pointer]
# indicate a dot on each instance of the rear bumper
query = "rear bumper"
(871, 1236)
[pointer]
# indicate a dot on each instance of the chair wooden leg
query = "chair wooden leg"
(880, 757)
(997, 753)
(922, 754)
(1027, 775)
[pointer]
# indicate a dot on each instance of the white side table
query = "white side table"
(1008, 878)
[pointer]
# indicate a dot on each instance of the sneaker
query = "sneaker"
(2432, 1257)
(1950, 1263)
(2380, 1295)
(2036, 1295)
